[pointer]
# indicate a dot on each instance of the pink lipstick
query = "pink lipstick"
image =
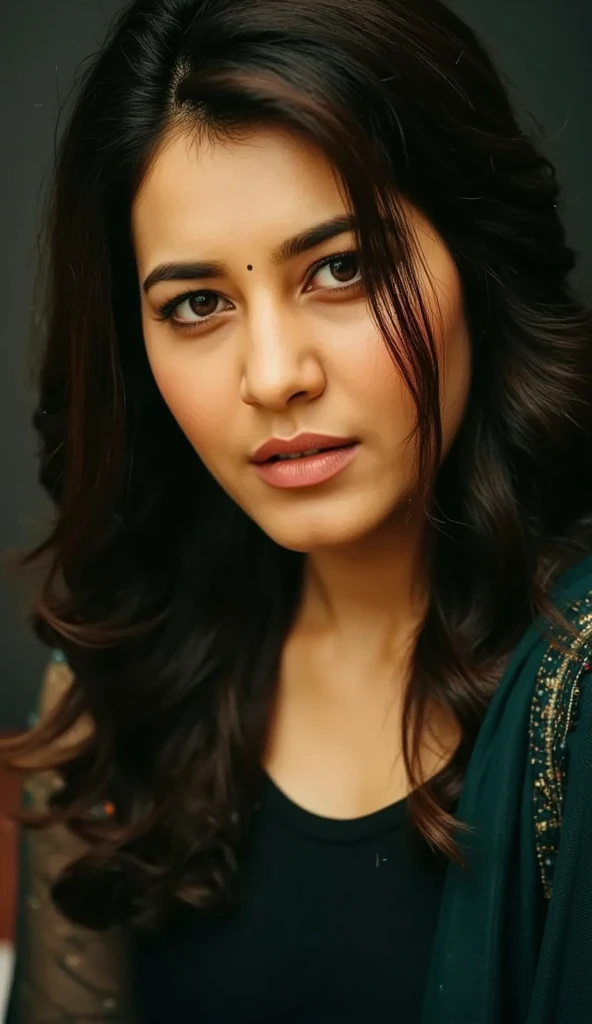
(303, 461)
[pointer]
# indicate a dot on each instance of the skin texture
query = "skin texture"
(284, 352)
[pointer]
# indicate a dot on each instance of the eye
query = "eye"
(185, 312)
(197, 306)
(193, 310)
(336, 273)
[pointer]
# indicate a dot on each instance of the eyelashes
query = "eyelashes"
(168, 310)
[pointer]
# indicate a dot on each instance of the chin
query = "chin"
(306, 533)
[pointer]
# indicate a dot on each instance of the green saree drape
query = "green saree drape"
(496, 959)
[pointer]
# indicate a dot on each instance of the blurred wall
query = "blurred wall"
(543, 48)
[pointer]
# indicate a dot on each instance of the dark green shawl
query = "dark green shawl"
(497, 959)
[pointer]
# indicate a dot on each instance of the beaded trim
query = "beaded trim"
(553, 715)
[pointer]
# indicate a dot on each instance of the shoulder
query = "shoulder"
(59, 745)
(561, 714)
(58, 731)
(565, 668)
(56, 682)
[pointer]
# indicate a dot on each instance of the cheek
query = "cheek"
(375, 385)
(455, 364)
(200, 401)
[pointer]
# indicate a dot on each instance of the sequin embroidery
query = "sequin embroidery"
(553, 715)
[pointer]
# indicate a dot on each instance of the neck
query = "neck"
(372, 592)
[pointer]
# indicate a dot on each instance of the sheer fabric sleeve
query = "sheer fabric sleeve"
(65, 972)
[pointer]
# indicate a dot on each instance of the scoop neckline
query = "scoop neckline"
(335, 830)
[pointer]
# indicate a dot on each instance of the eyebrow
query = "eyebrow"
(303, 242)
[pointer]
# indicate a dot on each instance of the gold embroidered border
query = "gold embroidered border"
(553, 715)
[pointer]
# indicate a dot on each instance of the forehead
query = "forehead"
(213, 194)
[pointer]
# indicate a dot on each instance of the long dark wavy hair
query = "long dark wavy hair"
(170, 605)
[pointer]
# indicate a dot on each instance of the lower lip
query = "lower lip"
(308, 470)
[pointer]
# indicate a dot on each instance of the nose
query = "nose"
(279, 364)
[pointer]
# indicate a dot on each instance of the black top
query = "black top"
(334, 922)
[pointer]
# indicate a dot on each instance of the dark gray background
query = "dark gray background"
(543, 48)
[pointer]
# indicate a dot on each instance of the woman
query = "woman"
(315, 413)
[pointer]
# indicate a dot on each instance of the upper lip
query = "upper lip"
(298, 444)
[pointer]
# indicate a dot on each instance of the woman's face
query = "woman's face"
(274, 339)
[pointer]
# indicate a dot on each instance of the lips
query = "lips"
(302, 444)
